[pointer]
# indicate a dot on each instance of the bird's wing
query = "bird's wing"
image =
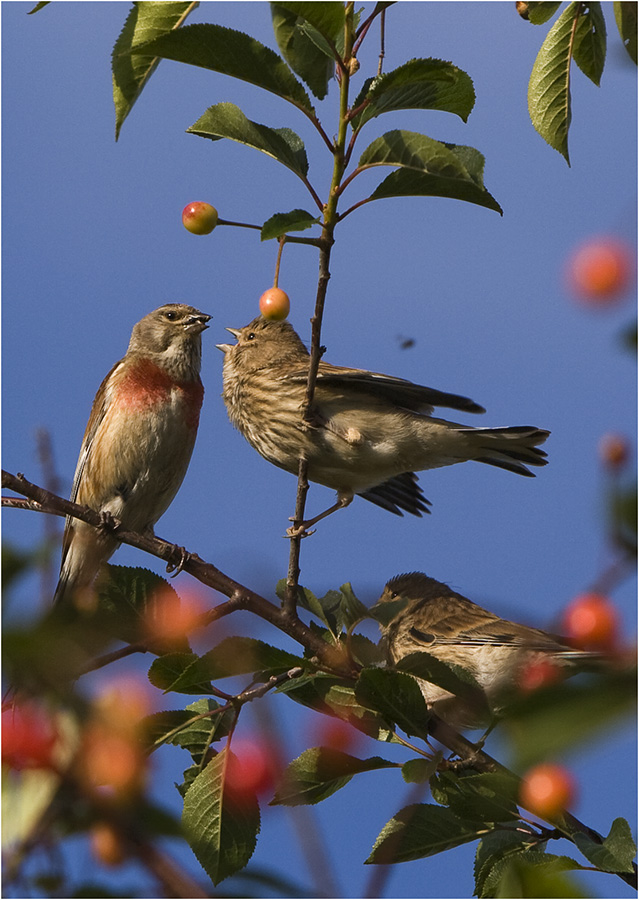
(487, 631)
(96, 417)
(399, 493)
(399, 391)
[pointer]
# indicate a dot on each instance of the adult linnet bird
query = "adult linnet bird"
(369, 432)
(138, 441)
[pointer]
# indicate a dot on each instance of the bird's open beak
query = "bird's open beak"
(226, 347)
(197, 324)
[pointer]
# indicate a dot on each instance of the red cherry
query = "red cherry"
(539, 674)
(199, 217)
(169, 618)
(112, 760)
(591, 621)
(335, 733)
(106, 844)
(28, 737)
(546, 790)
(275, 304)
(250, 770)
(614, 450)
(598, 272)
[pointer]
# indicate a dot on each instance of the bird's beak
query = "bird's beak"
(197, 324)
(226, 347)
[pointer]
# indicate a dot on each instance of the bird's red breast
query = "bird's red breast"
(144, 384)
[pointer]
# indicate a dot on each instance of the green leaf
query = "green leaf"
(38, 7)
(422, 830)
(225, 120)
(339, 610)
(590, 43)
(221, 831)
(169, 673)
(319, 772)
(334, 696)
(494, 848)
(385, 612)
(298, 43)
(419, 770)
(622, 513)
(145, 22)
(428, 168)
(323, 609)
(538, 13)
(231, 53)
(366, 652)
(617, 852)
(532, 874)
(549, 85)
(487, 797)
(240, 656)
(626, 19)
(396, 696)
(352, 610)
(551, 720)
(326, 17)
(283, 223)
(233, 656)
(126, 604)
(418, 84)
(195, 737)
(451, 677)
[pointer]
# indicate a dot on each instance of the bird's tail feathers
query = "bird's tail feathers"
(511, 448)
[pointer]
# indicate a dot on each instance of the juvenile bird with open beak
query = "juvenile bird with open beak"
(369, 432)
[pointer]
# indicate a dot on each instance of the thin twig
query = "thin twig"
(382, 51)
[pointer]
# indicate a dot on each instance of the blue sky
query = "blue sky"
(93, 240)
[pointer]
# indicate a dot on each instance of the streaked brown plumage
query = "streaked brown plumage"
(138, 440)
(370, 432)
(437, 620)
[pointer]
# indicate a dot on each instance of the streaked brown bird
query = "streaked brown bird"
(434, 619)
(369, 432)
(138, 440)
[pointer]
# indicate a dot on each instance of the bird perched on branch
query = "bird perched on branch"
(432, 618)
(138, 441)
(368, 433)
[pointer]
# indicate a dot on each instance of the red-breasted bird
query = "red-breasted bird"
(138, 441)
(369, 432)
(434, 619)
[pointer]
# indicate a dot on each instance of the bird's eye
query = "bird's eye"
(171, 316)
(250, 336)
(394, 595)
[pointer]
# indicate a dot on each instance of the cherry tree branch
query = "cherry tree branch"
(240, 597)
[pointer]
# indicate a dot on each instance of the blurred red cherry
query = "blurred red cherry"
(29, 736)
(547, 790)
(591, 621)
(599, 271)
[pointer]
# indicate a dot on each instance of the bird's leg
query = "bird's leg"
(108, 521)
(344, 499)
(184, 558)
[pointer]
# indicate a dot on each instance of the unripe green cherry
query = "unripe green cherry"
(199, 217)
